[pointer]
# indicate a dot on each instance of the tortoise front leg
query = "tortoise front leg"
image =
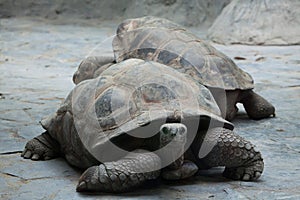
(42, 147)
(239, 156)
(122, 175)
(256, 106)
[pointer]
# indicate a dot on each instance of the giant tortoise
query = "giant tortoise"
(138, 120)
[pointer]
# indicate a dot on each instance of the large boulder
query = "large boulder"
(258, 22)
(184, 12)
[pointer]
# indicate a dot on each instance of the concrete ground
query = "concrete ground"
(37, 61)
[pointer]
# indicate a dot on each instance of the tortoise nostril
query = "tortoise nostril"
(173, 131)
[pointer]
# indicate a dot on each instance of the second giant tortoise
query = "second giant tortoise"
(160, 40)
(157, 39)
(134, 121)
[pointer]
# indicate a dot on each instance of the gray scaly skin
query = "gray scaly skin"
(241, 159)
(122, 175)
(42, 147)
(255, 105)
(180, 168)
(239, 156)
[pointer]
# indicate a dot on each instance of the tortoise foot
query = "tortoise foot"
(122, 175)
(42, 147)
(89, 180)
(245, 173)
(240, 157)
(257, 107)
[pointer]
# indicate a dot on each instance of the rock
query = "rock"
(257, 22)
(185, 12)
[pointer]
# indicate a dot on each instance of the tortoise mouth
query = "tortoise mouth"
(176, 118)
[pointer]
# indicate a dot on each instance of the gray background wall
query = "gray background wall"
(254, 22)
(185, 12)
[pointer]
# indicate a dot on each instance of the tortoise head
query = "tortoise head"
(127, 25)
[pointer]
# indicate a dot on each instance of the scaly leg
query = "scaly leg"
(256, 106)
(122, 175)
(240, 157)
(42, 147)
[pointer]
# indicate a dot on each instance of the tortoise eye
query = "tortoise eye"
(165, 130)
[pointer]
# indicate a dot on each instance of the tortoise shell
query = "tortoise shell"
(160, 40)
(127, 103)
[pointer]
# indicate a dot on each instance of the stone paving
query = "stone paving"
(37, 60)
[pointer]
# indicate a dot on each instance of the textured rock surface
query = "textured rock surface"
(37, 61)
(264, 22)
(268, 22)
(186, 12)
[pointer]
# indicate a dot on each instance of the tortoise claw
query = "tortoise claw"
(35, 157)
(26, 153)
(81, 187)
